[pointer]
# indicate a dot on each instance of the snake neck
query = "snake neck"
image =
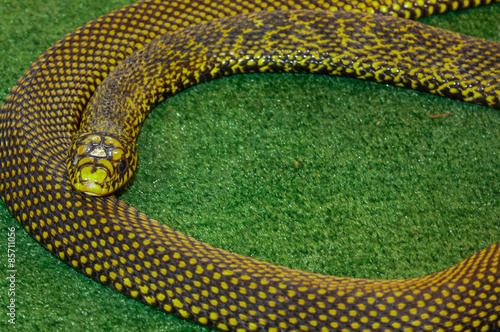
(406, 54)
(315, 42)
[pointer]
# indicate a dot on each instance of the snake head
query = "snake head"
(99, 164)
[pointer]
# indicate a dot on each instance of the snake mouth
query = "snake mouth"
(91, 180)
(89, 188)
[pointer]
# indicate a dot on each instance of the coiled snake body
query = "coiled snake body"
(124, 249)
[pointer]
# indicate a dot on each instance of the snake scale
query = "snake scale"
(118, 246)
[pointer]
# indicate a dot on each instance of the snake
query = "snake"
(83, 102)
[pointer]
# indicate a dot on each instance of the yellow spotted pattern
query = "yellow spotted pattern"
(120, 247)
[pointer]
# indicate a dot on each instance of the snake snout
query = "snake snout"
(91, 180)
(98, 164)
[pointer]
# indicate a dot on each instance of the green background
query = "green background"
(323, 174)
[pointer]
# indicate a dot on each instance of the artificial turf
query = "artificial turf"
(323, 174)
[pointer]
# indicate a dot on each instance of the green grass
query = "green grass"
(323, 174)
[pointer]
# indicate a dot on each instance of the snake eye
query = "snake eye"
(122, 166)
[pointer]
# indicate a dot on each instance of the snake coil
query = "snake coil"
(120, 247)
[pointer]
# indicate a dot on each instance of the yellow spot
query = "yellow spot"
(127, 282)
(144, 289)
(222, 327)
(184, 313)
